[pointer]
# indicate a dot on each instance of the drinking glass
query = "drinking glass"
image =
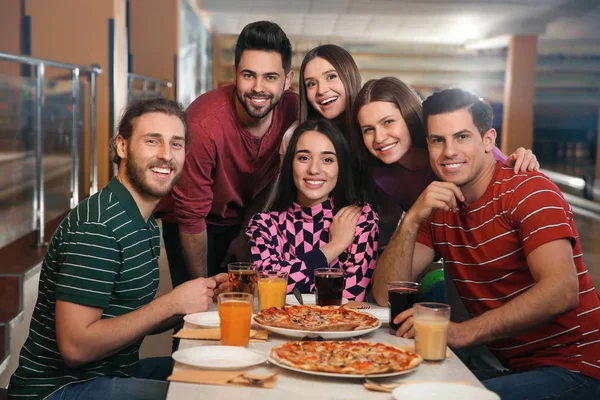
(272, 288)
(431, 322)
(329, 286)
(401, 296)
(242, 277)
(235, 313)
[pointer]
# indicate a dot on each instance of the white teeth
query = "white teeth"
(259, 100)
(453, 166)
(388, 147)
(314, 182)
(161, 170)
(329, 100)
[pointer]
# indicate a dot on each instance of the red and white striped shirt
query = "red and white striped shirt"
(485, 246)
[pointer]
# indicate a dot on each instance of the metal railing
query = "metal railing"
(583, 205)
(76, 71)
(159, 88)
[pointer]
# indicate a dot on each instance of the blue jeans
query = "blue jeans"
(147, 382)
(540, 383)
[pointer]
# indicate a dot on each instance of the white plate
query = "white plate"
(441, 390)
(209, 319)
(307, 298)
(219, 357)
(299, 334)
(382, 314)
(273, 361)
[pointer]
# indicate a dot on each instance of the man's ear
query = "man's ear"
(234, 74)
(121, 147)
(289, 78)
(489, 139)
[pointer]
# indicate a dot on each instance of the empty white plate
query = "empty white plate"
(442, 390)
(219, 357)
(209, 319)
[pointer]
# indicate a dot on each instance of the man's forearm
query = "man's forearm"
(167, 325)
(193, 248)
(537, 306)
(395, 263)
(108, 336)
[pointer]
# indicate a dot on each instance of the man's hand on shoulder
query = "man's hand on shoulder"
(437, 196)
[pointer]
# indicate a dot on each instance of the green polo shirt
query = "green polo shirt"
(102, 255)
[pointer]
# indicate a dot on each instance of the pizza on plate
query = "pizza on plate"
(316, 318)
(345, 357)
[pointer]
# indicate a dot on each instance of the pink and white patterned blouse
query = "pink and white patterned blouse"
(290, 241)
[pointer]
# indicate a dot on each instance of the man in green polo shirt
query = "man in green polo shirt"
(100, 275)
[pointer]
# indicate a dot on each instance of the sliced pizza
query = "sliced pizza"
(316, 318)
(345, 357)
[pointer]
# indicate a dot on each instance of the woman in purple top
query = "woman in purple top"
(317, 218)
(390, 134)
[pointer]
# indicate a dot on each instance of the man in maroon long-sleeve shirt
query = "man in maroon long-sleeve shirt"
(235, 134)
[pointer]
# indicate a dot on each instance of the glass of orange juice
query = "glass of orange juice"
(235, 312)
(272, 288)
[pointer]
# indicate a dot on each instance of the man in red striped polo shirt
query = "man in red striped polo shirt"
(513, 251)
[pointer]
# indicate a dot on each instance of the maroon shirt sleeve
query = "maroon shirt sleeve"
(193, 193)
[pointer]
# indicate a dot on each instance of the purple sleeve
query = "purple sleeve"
(499, 155)
(268, 252)
(362, 255)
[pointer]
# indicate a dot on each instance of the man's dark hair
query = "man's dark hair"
(265, 36)
(138, 108)
(344, 193)
(450, 100)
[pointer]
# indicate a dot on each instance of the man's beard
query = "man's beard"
(136, 175)
(258, 114)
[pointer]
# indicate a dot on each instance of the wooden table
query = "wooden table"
(295, 385)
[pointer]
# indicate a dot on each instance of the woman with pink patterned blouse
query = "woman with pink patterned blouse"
(317, 219)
